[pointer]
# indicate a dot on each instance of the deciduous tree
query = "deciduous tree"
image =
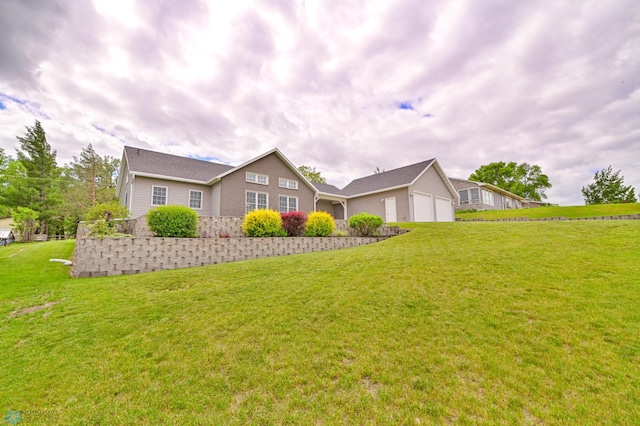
(311, 174)
(608, 188)
(523, 179)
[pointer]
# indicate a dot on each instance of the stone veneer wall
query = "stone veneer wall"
(95, 257)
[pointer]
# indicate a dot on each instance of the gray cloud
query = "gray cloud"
(555, 84)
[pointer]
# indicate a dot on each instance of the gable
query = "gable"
(395, 178)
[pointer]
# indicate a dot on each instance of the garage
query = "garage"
(444, 210)
(422, 207)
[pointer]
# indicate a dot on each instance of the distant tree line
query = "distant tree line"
(59, 196)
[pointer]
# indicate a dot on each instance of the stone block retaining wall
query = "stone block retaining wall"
(95, 257)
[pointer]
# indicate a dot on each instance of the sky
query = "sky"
(342, 86)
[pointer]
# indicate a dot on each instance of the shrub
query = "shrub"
(293, 223)
(101, 228)
(108, 211)
(173, 221)
(25, 222)
(262, 223)
(319, 224)
(365, 224)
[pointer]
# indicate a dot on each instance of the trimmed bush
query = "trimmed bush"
(262, 223)
(365, 224)
(173, 221)
(319, 224)
(293, 223)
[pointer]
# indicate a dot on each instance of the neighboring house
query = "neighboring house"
(419, 192)
(6, 237)
(534, 204)
(484, 196)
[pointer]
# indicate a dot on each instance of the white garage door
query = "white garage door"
(444, 212)
(422, 207)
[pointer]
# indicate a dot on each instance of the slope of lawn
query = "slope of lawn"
(570, 212)
(465, 323)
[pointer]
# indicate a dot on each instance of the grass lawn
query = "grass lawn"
(570, 212)
(465, 323)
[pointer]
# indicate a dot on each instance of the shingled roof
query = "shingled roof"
(386, 180)
(145, 162)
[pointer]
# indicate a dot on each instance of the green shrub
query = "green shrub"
(365, 224)
(319, 224)
(108, 211)
(262, 223)
(173, 221)
(101, 228)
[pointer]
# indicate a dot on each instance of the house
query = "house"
(6, 237)
(419, 192)
(484, 196)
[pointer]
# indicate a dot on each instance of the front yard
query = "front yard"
(464, 323)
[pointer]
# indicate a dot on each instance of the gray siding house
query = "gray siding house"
(420, 192)
(484, 196)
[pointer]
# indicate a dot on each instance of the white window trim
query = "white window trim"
(288, 183)
(288, 197)
(252, 177)
(201, 199)
(166, 195)
(255, 192)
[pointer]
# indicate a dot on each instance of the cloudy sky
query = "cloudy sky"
(343, 86)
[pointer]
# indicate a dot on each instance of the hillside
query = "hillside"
(464, 323)
(570, 212)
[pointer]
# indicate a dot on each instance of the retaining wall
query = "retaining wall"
(95, 257)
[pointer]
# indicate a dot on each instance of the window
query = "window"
(475, 195)
(159, 195)
(287, 204)
(487, 197)
(287, 183)
(257, 178)
(464, 197)
(256, 200)
(195, 200)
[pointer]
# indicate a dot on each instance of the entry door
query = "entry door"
(422, 207)
(390, 209)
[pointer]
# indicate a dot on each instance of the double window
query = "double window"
(469, 196)
(287, 204)
(256, 200)
(257, 178)
(195, 200)
(159, 195)
(287, 183)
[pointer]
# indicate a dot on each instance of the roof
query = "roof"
(489, 186)
(151, 163)
(6, 233)
(326, 188)
(385, 180)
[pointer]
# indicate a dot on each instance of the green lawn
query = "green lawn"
(464, 323)
(570, 212)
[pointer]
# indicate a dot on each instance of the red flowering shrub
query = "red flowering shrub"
(293, 223)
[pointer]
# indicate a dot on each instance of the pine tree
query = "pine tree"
(39, 160)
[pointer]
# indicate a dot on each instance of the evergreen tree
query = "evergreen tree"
(39, 160)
